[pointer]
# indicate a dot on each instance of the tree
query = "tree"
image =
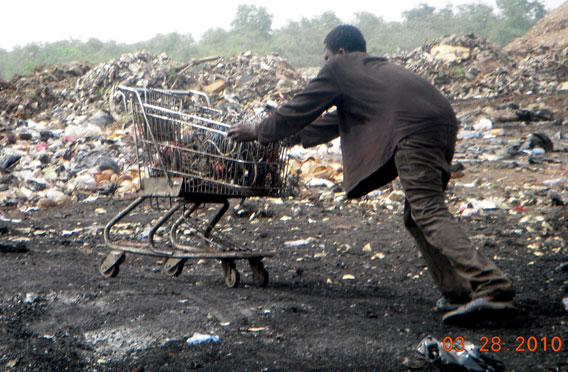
(517, 16)
(302, 42)
(378, 33)
(423, 23)
(252, 19)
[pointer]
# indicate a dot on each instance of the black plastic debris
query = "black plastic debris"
(540, 140)
(9, 161)
(463, 357)
(13, 248)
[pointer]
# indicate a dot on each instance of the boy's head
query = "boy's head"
(347, 38)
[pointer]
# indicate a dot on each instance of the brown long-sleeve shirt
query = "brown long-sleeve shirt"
(378, 104)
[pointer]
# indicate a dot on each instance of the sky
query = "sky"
(127, 21)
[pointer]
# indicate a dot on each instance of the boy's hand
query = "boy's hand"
(243, 132)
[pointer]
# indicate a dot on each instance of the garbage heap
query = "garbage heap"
(65, 135)
(467, 66)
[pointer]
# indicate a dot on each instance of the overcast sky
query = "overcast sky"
(127, 21)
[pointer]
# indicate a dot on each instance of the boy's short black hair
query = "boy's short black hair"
(347, 37)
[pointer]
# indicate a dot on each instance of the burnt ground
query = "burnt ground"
(332, 304)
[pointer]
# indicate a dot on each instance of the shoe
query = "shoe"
(479, 311)
(444, 305)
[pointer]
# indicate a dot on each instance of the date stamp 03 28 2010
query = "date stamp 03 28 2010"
(522, 344)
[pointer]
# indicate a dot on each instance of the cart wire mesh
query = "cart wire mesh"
(179, 136)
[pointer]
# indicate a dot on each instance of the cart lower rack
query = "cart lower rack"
(187, 163)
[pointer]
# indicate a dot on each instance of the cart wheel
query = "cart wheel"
(232, 276)
(259, 273)
(110, 265)
(173, 266)
(110, 273)
(261, 279)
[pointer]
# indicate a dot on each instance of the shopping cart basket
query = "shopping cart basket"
(186, 162)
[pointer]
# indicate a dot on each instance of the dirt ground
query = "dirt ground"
(348, 290)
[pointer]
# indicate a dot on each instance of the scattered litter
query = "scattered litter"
(30, 297)
(199, 338)
(466, 356)
(299, 242)
(100, 211)
(12, 363)
(483, 125)
(378, 255)
(318, 182)
(540, 141)
(257, 329)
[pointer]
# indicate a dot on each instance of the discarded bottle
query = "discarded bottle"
(469, 134)
(494, 132)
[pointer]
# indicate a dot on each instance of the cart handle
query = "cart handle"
(188, 92)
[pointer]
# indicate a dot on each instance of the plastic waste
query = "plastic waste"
(497, 132)
(463, 134)
(318, 182)
(540, 141)
(536, 151)
(85, 181)
(76, 131)
(565, 303)
(483, 125)
(299, 242)
(199, 338)
(553, 182)
(468, 358)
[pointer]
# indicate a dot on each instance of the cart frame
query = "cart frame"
(185, 158)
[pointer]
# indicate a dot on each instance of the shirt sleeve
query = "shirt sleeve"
(322, 130)
(321, 93)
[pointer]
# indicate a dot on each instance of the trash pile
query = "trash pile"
(60, 93)
(245, 82)
(42, 93)
(65, 135)
(467, 66)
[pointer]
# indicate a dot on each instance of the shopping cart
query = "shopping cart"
(185, 164)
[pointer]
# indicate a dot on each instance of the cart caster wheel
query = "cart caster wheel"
(232, 276)
(110, 273)
(110, 265)
(259, 273)
(261, 279)
(173, 266)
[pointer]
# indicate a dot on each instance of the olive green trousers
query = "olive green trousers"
(461, 272)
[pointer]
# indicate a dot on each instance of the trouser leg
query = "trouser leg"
(454, 287)
(460, 271)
